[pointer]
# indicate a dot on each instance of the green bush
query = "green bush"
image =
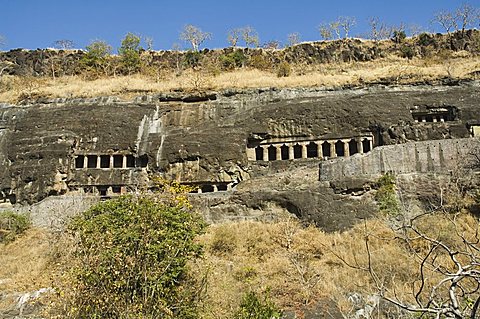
(407, 52)
(129, 53)
(96, 56)
(399, 36)
(284, 69)
(425, 39)
(12, 225)
(192, 59)
(386, 195)
(232, 60)
(131, 255)
(254, 307)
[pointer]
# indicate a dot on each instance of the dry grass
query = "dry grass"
(400, 70)
(301, 266)
(298, 265)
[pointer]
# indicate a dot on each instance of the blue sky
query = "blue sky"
(37, 24)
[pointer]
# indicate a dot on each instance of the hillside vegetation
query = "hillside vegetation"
(426, 58)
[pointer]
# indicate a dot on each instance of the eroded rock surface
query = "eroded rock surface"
(104, 146)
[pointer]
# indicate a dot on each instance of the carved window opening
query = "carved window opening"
(259, 153)
(284, 152)
(104, 161)
(366, 145)
(339, 148)
(142, 161)
(272, 153)
(352, 147)
(207, 188)
(326, 149)
(312, 150)
(79, 160)
(222, 187)
(117, 189)
(102, 190)
(297, 151)
(117, 161)
(92, 161)
(130, 161)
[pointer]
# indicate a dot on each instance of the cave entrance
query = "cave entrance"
(207, 188)
(284, 152)
(92, 161)
(326, 149)
(352, 147)
(130, 161)
(312, 150)
(297, 151)
(104, 161)
(117, 161)
(259, 153)
(79, 161)
(339, 148)
(366, 146)
(272, 153)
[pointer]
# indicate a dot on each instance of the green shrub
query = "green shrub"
(97, 55)
(129, 53)
(425, 39)
(192, 59)
(386, 195)
(259, 62)
(232, 60)
(407, 52)
(12, 225)
(131, 255)
(399, 36)
(254, 307)
(284, 69)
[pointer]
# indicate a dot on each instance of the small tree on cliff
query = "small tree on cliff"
(194, 35)
(96, 58)
(129, 52)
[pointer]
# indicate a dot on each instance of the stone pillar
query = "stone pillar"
(304, 150)
(320, 149)
(111, 162)
(371, 143)
(346, 149)
(424, 119)
(124, 161)
(199, 190)
(98, 161)
(265, 152)
(442, 119)
(333, 153)
(85, 161)
(279, 152)
(434, 119)
(360, 145)
(291, 154)
(215, 188)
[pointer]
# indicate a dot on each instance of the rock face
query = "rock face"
(251, 152)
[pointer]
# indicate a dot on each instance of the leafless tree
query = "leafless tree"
(447, 20)
(325, 31)
(346, 23)
(293, 38)
(467, 16)
(335, 28)
(233, 36)
(63, 44)
(194, 35)
(378, 29)
(149, 43)
(250, 36)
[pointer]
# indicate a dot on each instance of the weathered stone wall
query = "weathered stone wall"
(438, 156)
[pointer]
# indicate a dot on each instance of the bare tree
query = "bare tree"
(233, 36)
(149, 43)
(335, 27)
(325, 31)
(250, 36)
(293, 38)
(194, 35)
(378, 29)
(346, 23)
(63, 44)
(447, 20)
(467, 16)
